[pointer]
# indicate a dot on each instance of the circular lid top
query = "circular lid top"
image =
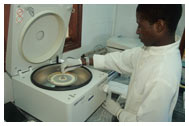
(41, 37)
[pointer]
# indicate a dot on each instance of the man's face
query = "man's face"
(146, 31)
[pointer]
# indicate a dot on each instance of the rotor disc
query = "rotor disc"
(50, 77)
(60, 79)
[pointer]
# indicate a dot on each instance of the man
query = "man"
(155, 68)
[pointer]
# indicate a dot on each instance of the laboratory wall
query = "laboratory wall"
(181, 24)
(96, 28)
(125, 21)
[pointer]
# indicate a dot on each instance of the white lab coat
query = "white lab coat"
(154, 84)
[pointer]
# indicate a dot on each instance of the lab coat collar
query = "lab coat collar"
(160, 50)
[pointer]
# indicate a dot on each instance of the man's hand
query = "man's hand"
(70, 64)
(113, 107)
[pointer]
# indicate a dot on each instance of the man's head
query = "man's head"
(157, 22)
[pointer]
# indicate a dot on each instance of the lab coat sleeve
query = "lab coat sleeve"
(156, 105)
(122, 62)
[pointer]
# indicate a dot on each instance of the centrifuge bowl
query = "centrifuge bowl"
(40, 78)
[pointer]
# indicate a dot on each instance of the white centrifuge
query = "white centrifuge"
(121, 43)
(35, 40)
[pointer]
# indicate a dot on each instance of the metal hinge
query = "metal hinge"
(21, 72)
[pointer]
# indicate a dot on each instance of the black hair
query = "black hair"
(170, 13)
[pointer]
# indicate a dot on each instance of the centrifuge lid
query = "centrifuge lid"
(42, 37)
(38, 39)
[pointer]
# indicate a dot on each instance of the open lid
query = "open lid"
(38, 39)
(41, 37)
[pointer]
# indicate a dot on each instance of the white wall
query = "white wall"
(126, 25)
(96, 27)
(181, 24)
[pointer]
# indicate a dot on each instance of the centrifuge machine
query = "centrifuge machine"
(36, 39)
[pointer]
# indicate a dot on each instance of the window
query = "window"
(73, 41)
(6, 23)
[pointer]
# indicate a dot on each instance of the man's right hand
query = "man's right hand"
(70, 64)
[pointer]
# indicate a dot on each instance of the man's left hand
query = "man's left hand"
(111, 106)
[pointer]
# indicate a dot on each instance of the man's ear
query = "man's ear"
(160, 25)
